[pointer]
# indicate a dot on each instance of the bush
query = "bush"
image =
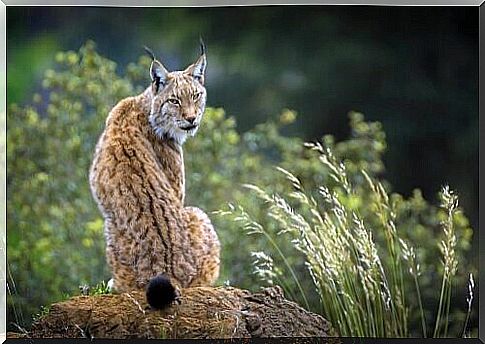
(55, 231)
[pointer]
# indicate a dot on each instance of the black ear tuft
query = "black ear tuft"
(149, 52)
(160, 292)
(202, 45)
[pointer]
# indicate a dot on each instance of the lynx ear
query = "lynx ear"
(158, 73)
(197, 69)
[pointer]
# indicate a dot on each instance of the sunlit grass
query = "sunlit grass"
(361, 290)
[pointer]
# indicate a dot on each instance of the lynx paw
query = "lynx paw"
(111, 286)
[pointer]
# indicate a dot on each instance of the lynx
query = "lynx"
(153, 241)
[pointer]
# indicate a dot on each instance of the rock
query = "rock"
(204, 312)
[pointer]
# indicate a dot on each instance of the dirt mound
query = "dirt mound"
(204, 312)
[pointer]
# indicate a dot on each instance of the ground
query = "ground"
(204, 312)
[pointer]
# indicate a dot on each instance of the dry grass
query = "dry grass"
(361, 293)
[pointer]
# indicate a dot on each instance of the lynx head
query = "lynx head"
(178, 99)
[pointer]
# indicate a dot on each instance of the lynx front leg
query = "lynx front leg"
(123, 277)
(205, 245)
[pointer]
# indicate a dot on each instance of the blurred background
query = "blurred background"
(414, 69)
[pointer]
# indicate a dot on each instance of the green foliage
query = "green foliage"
(55, 232)
(163, 333)
(22, 75)
(101, 288)
(44, 310)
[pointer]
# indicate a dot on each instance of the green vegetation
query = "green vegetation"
(100, 289)
(44, 310)
(55, 231)
(362, 294)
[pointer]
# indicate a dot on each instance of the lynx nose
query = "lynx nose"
(191, 119)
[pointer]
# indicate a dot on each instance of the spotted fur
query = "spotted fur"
(137, 179)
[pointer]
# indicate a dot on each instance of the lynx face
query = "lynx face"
(178, 100)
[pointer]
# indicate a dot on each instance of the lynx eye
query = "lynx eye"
(174, 101)
(197, 95)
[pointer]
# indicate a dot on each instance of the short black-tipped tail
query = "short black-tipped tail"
(160, 292)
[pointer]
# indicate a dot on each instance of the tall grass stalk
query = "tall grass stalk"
(409, 255)
(449, 203)
(469, 300)
(386, 215)
(253, 227)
